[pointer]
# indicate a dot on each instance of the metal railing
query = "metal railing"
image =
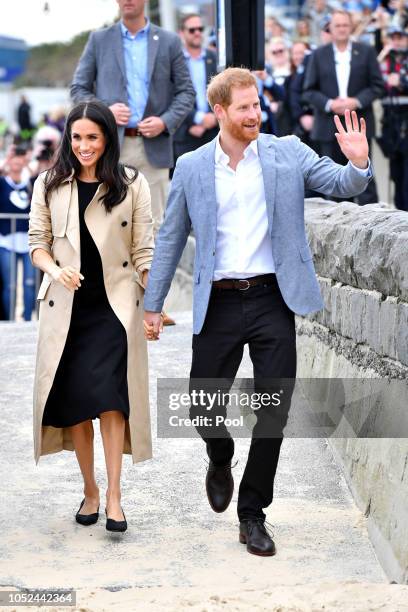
(13, 218)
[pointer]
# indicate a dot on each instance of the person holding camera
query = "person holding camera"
(394, 137)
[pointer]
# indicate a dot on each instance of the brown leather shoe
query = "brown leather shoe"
(253, 533)
(166, 320)
(219, 484)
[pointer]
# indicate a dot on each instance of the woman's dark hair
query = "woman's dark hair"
(108, 169)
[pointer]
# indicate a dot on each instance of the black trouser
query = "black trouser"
(332, 150)
(399, 175)
(260, 318)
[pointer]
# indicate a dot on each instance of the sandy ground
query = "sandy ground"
(177, 554)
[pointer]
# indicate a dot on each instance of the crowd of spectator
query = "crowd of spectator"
(31, 152)
(339, 54)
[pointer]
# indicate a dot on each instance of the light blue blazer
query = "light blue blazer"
(288, 166)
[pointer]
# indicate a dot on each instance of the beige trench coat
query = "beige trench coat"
(124, 238)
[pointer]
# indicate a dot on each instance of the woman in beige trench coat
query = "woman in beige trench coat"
(77, 371)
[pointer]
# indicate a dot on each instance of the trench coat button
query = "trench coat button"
(137, 302)
(124, 223)
(125, 263)
(51, 302)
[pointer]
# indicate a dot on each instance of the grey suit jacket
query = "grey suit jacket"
(288, 166)
(101, 74)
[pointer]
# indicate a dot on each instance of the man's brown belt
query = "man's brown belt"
(245, 283)
(132, 132)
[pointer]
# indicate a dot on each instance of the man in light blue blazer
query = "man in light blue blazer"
(243, 195)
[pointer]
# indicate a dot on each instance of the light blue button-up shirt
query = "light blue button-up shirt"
(198, 74)
(135, 52)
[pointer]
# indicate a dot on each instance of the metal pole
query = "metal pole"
(168, 15)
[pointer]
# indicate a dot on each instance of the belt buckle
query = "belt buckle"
(244, 280)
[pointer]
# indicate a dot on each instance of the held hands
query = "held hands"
(153, 325)
(69, 277)
(352, 140)
(153, 321)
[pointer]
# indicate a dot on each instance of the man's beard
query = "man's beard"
(240, 133)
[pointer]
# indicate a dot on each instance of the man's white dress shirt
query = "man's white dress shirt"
(243, 248)
(342, 60)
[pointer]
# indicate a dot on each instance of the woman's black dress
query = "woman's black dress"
(92, 375)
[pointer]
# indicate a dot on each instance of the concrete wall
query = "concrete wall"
(361, 258)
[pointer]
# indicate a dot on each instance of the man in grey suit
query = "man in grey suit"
(139, 71)
(243, 194)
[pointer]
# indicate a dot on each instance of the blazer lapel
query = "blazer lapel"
(118, 48)
(207, 179)
(152, 48)
(331, 62)
(267, 155)
(355, 57)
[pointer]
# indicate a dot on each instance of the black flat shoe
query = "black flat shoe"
(258, 541)
(86, 519)
(112, 525)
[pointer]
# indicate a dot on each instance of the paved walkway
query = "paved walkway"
(177, 554)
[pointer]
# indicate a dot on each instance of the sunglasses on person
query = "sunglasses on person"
(278, 51)
(197, 29)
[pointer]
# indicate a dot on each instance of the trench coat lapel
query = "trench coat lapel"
(72, 230)
(95, 217)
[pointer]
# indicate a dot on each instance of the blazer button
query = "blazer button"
(124, 223)
(51, 303)
(125, 263)
(137, 302)
(57, 262)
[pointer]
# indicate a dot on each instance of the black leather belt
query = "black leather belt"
(132, 132)
(245, 283)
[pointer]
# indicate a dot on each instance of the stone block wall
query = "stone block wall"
(361, 258)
